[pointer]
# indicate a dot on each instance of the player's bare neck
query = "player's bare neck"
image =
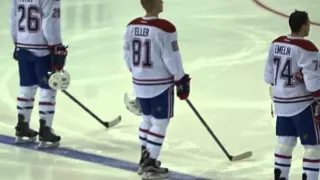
(152, 14)
(297, 35)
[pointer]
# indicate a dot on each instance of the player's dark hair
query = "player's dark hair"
(297, 19)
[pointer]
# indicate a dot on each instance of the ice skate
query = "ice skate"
(277, 173)
(47, 138)
(23, 133)
(151, 170)
(304, 176)
(142, 160)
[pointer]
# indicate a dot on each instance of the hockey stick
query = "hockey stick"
(230, 157)
(105, 124)
(271, 97)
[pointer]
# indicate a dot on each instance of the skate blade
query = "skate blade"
(154, 176)
(22, 140)
(140, 170)
(46, 145)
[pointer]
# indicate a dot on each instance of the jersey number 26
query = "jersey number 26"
(28, 14)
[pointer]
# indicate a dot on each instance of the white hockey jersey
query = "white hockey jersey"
(152, 55)
(287, 57)
(35, 25)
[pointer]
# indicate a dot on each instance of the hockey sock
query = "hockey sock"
(311, 162)
(156, 136)
(283, 155)
(144, 129)
(283, 163)
(25, 101)
(47, 105)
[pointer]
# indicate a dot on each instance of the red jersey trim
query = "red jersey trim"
(316, 93)
(302, 43)
(158, 23)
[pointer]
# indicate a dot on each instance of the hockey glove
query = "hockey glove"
(183, 87)
(58, 57)
(15, 53)
(299, 76)
(316, 112)
(316, 105)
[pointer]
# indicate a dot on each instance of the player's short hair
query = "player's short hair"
(297, 19)
(147, 4)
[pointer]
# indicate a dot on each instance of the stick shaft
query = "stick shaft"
(83, 107)
(209, 130)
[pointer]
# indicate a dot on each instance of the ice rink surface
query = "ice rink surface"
(224, 46)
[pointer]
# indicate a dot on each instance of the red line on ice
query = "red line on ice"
(274, 11)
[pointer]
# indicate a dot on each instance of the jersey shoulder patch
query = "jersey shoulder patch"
(175, 46)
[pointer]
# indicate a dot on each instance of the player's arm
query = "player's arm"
(52, 32)
(309, 61)
(13, 21)
(172, 60)
(127, 49)
(268, 70)
(51, 22)
(171, 56)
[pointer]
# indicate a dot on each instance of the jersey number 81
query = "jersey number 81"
(141, 53)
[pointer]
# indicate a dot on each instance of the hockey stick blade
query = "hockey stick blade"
(113, 122)
(241, 156)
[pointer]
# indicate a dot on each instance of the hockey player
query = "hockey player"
(152, 55)
(35, 30)
(292, 69)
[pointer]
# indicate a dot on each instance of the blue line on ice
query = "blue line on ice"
(92, 158)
